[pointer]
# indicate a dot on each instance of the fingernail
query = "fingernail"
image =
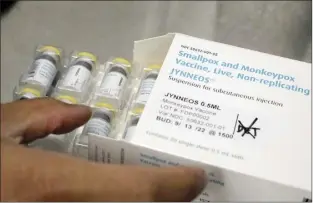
(18, 139)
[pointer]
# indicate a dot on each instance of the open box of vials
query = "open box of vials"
(242, 115)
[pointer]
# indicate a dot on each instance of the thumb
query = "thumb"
(28, 120)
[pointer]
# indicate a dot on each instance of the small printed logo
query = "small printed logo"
(247, 129)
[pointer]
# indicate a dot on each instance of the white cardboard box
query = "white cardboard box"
(242, 115)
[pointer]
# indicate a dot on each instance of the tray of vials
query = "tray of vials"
(116, 90)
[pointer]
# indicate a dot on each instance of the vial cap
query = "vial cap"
(154, 67)
(137, 110)
(106, 107)
(67, 99)
(30, 91)
(51, 49)
(123, 62)
(88, 55)
(27, 96)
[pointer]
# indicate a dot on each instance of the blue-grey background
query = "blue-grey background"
(109, 28)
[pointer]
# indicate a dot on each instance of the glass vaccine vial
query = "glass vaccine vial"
(146, 86)
(79, 146)
(113, 84)
(38, 80)
(133, 119)
(130, 131)
(100, 123)
(77, 78)
(143, 94)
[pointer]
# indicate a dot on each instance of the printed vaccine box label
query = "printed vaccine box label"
(201, 124)
(232, 108)
(223, 185)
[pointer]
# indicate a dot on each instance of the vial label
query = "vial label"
(113, 84)
(76, 77)
(43, 71)
(145, 90)
(99, 127)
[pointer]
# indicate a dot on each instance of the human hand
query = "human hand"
(34, 175)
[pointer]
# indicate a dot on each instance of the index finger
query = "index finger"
(36, 118)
